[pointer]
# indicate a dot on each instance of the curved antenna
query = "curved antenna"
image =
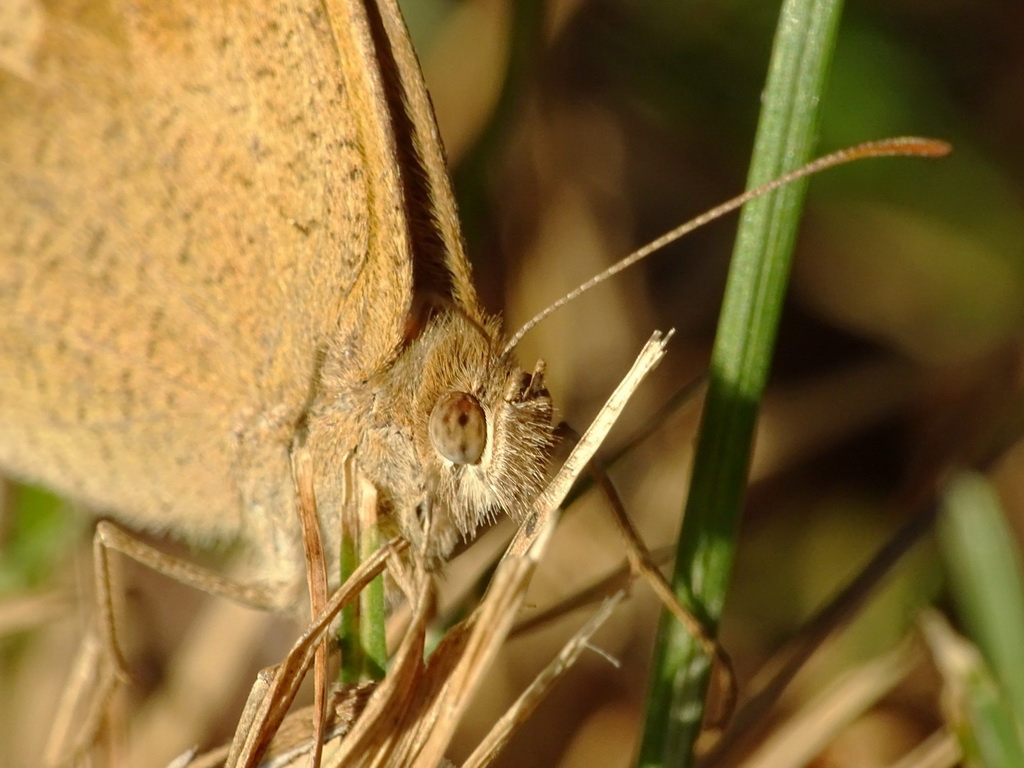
(903, 146)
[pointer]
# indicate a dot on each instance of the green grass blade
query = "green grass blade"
(374, 617)
(986, 580)
(976, 705)
(361, 626)
(740, 363)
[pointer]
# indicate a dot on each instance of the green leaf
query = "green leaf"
(740, 364)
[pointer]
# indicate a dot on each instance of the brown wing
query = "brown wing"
(197, 196)
(441, 267)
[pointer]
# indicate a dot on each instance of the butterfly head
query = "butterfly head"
(482, 431)
(451, 433)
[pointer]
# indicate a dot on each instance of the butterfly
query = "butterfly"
(336, 310)
(230, 230)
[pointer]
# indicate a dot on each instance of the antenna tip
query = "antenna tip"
(915, 146)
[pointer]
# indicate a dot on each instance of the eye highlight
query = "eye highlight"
(458, 428)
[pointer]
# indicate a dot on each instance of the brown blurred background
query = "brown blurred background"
(899, 349)
(899, 346)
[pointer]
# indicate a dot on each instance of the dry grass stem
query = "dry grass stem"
(816, 724)
(499, 736)
(939, 750)
(413, 714)
(316, 578)
(281, 691)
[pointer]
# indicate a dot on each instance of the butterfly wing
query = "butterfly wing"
(197, 197)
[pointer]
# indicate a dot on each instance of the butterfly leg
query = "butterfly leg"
(79, 717)
(100, 664)
(274, 692)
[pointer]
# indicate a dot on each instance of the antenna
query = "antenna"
(908, 146)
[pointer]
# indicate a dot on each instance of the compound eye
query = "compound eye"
(458, 428)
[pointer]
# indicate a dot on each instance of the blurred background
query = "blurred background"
(579, 130)
(899, 351)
